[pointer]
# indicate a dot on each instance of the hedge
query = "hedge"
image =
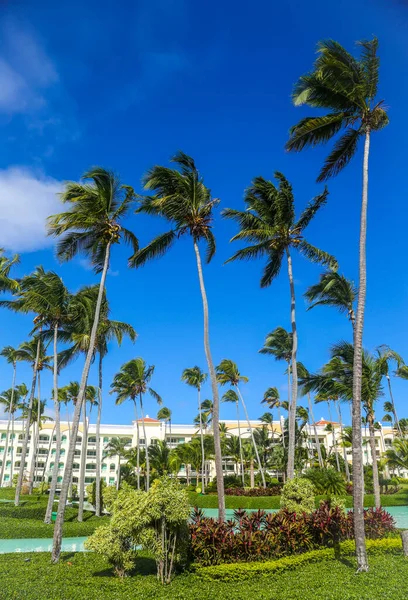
(241, 571)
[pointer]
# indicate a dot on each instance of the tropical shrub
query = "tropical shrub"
(298, 495)
(74, 490)
(42, 488)
(91, 492)
(115, 545)
(254, 492)
(110, 494)
(326, 481)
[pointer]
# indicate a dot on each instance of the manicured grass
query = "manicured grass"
(78, 576)
(26, 521)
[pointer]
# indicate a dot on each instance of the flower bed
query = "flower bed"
(274, 490)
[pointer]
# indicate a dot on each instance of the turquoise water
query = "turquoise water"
(73, 544)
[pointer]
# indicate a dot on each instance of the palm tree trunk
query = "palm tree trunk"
(214, 386)
(11, 412)
(252, 437)
(48, 455)
(376, 482)
(36, 435)
(83, 464)
(145, 441)
(202, 446)
(394, 410)
(57, 428)
(346, 465)
(12, 449)
(292, 405)
(27, 432)
(240, 447)
(251, 473)
(358, 475)
(56, 549)
(137, 447)
(282, 428)
(316, 437)
(98, 444)
(334, 441)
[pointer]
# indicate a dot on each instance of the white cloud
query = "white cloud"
(26, 200)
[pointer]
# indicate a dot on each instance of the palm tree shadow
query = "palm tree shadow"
(143, 566)
(347, 562)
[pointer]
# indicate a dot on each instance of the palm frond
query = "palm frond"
(272, 268)
(343, 151)
(316, 255)
(157, 247)
(310, 210)
(312, 131)
(370, 64)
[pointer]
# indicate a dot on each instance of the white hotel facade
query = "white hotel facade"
(155, 430)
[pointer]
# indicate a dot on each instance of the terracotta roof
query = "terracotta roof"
(148, 420)
(323, 422)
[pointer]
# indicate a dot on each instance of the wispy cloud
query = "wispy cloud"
(26, 200)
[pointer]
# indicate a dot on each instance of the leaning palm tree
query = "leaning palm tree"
(347, 88)
(181, 197)
(335, 290)
(232, 396)
(270, 226)
(228, 373)
(132, 381)
(10, 354)
(7, 284)
(9, 399)
(195, 377)
(91, 226)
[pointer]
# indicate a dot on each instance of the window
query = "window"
(90, 467)
(59, 479)
(89, 479)
(18, 463)
(40, 465)
(52, 465)
(8, 464)
(21, 437)
(6, 477)
(91, 452)
(64, 438)
(62, 452)
(105, 440)
(112, 467)
(75, 480)
(104, 466)
(61, 465)
(92, 440)
(53, 451)
(1, 449)
(111, 480)
(75, 466)
(44, 438)
(141, 441)
(79, 439)
(42, 451)
(3, 436)
(77, 452)
(176, 440)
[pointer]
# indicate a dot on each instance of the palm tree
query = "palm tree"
(6, 264)
(232, 396)
(78, 332)
(402, 372)
(132, 382)
(117, 447)
(228, 373)
(195, 377)
(397, 456)
(90, 226)
(159, 457)
(91, 395)
(9, 399)
(181, 197)
(10, 354)
(272, 399)
(34, 352)
(347, 88)
(303, 374)
(335, 290)
(164, 414)
(37, 419)
(269, 225)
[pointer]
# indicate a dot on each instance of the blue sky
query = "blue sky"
(125, 85)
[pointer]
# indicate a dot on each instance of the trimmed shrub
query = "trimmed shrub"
(254, 492)
(298, 495)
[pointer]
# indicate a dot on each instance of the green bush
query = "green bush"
(298, 495)
(91, 492)
(326, 481)
(248, 570)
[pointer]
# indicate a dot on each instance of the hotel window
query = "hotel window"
(6, 477)
(104, 466)
(8, 464)
(62, 452)
(77, 452)
(111, 480)
(44, 438)
(79, 439)
(59, 479)
(61, 465)
(91, 452)
(105, 440)
(75, 466)
(92, 440)
(112, 467)
(3, 436)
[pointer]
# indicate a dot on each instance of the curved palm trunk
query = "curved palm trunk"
(27, 432)
(57, 428)
(358, 475)
(240, 447)
(146, 447)
(292, 405)
(98, 444)
(84, 446)
(376, 482)
(346, 465)
(394, 410)
(137, 447)
(214, 387)
(316, 437)
(9, 420)
(56, 549)
(202, 446)
(252, 437)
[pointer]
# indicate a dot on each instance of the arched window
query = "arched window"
(104, 466)
(92, 440)
(64, 438)
(112, 467)
(79, 439)
(61, 465)
(59, 479)
(8, 464)
(75, 466)
(52, 465)
(62, 451)
(3, 436)
(90, 467)
(53, 451)
(44, 438)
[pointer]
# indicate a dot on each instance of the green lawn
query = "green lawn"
(78, 576)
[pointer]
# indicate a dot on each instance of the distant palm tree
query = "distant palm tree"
(132, 382)
(7, 284)
(270, 226)
(91, 397)
(347, 88)
(159, 457)
(90, 226)
(272, 398)
(9, 399)
(335, 290)
(397, 456)
(117, 447)
(182, 198)
(37, 419)
(304, 374)
(232, 396)
(164, 415)
(195, 377)
(10, 354)
(228, 373)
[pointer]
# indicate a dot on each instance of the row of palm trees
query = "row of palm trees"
(339, 83)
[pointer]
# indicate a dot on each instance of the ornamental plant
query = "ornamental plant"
(298, 495)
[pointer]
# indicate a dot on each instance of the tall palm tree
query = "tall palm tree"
(228, 373)
(132, 382)
(335, 290)
(10, 354)
(181, 197)
(347, 88)
(303, 374)
(38, 417)
(91, 396)
(269, 224)
(9, 399)
(195, 377)
(164, 414)
(91, 226)
(78, 333)
(232, 396)
(35, 353)
(7, 284)
(117, 447)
